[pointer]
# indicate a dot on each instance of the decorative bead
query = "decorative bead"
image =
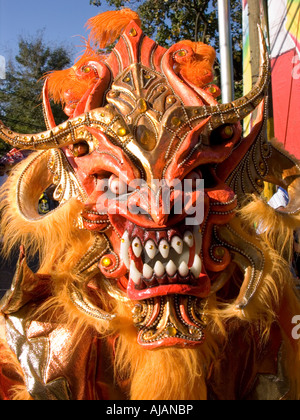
(106, 262)
(171, 100)
(162, 89)
(219, 252)
(171, 331)
(133, 32)
(228, 131)
(176, 122)
(142, 105)
(146, 138)
(122, 132)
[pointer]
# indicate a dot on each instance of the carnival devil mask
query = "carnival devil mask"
(161, 168)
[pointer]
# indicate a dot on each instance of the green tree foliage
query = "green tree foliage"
(20, 93)
(170, 21)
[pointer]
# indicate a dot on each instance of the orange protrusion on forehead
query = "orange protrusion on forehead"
(107, 27)
(198, 69)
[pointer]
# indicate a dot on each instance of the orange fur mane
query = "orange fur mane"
(182, 373)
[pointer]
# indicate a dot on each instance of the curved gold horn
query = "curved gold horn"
(231, 113)
(105, 119)
(244, 106)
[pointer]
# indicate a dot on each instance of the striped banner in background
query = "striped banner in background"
(284, 28)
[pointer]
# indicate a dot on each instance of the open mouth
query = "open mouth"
(164, 262)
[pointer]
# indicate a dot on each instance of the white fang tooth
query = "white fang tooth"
(135, 275)
(147, 271)
(197, 267)
(183, 269)
(137, 247)
(150, 249)
(189, 239)
(177, 244)
(164, 248)
(159, 269)
(198, 239)
(125, 244)
(171, 268)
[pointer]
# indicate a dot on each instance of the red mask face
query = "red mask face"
(148, 171)
(152, 152)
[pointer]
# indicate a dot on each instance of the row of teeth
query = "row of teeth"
(164, 248)
(170, 269)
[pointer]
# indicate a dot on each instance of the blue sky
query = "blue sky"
(61, 21)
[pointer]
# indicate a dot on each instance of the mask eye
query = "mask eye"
(80, 149)
(222, 134)
(116, 185)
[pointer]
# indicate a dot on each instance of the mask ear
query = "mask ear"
(21, 221)
(43, 170)
(34, 180)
